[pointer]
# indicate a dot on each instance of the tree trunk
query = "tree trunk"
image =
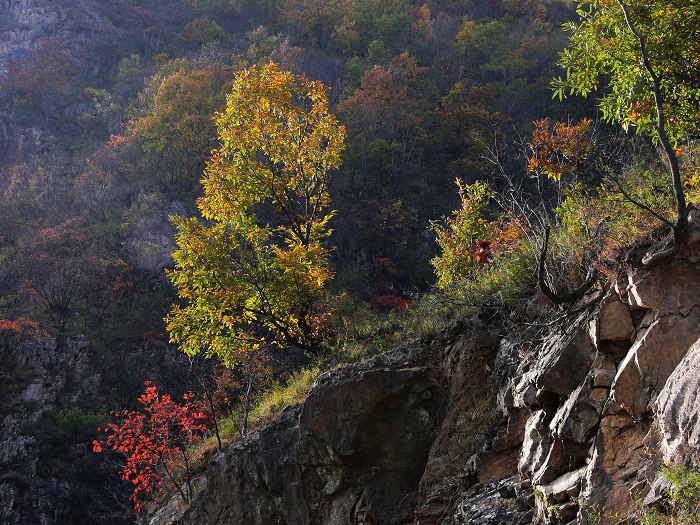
(569, 297)
(680, 230)
(210, 400)
(246, 405)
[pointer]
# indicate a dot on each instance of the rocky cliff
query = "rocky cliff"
(77, 24)
(55, 393)
(479, 427)
(34, 383)
(81, 28)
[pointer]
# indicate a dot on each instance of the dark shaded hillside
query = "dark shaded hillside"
(424, 90)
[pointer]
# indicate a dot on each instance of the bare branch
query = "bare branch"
(569, 297)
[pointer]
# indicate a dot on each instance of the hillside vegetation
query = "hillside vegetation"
(289, 186)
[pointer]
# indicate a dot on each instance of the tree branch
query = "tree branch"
(637, 203)
(568, 297)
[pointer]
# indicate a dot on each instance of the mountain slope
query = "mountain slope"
(481, 428)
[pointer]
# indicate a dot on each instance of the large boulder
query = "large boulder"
(350, 455)
(613, 323)
(565, 360)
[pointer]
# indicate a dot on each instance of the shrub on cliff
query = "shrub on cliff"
(681, 504)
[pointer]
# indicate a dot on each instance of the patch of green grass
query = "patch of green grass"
(78, 422)
(601, 515)
(263, 411)
(280, 396)
(361, 331)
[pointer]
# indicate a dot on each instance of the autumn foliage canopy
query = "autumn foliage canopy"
(560, 148)
(467, 240)
(254, 274)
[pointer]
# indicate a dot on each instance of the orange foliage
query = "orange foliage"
(12, 333)
(385, 105)
(46, 76)
(390, 302)
(559, 149)
(503, 236)
(20, 325)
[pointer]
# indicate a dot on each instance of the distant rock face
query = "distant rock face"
(470, 431)
(79, 26)
(150, 241)
(76, 23)
(22, 21)
(57, 375)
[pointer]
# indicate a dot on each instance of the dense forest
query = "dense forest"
(116, 118)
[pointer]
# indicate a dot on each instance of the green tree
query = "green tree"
(463, 236)
(254, 273)
(648, 54)
(204, 31)
(467, 240)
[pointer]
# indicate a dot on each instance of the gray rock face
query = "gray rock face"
(678, 408)
(352, 454)
(665, 290)
(565, 360)
(23, 22)
(651, 360)
(613, 323)
(492, 504)
(55, 374)
(375, 444)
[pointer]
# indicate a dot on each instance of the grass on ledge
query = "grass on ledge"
(263, 411)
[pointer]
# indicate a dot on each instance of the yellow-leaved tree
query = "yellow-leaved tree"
(253, 272)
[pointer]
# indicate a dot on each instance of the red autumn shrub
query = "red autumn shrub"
(155, 440)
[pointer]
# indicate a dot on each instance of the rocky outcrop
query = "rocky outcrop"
(677, 408)
(481, 429)
(77, 24)
(369, 446)
(633, 365)
(53, 397)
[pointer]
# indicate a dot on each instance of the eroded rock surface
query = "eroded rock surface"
(371, 444)
(76, 23)
(27, 496)
(355, 452)
(677, 408)
(592, 447)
